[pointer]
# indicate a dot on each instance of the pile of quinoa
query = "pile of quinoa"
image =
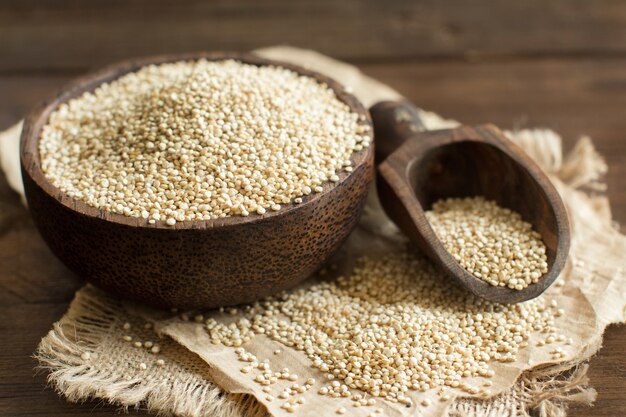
(491, 242)
(200, 140)
(392, 326)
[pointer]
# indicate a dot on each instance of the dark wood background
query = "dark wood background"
(559, 64)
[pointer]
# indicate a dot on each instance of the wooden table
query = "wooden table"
(559, 64)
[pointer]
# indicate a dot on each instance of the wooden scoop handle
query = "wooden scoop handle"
(394, 123)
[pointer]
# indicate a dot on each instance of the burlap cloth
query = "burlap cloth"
(197, 374)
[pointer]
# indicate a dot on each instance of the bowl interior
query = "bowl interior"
(29, 146)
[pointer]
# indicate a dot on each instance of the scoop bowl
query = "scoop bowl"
(418, 168)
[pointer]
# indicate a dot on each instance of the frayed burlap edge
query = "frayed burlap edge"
(546, 391)
(92, 325)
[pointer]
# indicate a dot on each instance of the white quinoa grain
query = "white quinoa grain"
(199, 140)
(419, 331)
(490, 242)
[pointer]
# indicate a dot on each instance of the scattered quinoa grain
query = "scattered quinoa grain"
(394, 325)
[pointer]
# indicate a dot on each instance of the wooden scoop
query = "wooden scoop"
(417, 168)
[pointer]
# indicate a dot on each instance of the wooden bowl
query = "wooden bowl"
(195, 264)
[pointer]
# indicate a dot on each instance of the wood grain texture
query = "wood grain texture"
(574, 96)
(38, 34)
(465, 162)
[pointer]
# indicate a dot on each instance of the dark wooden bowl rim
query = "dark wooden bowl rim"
(29, 142)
